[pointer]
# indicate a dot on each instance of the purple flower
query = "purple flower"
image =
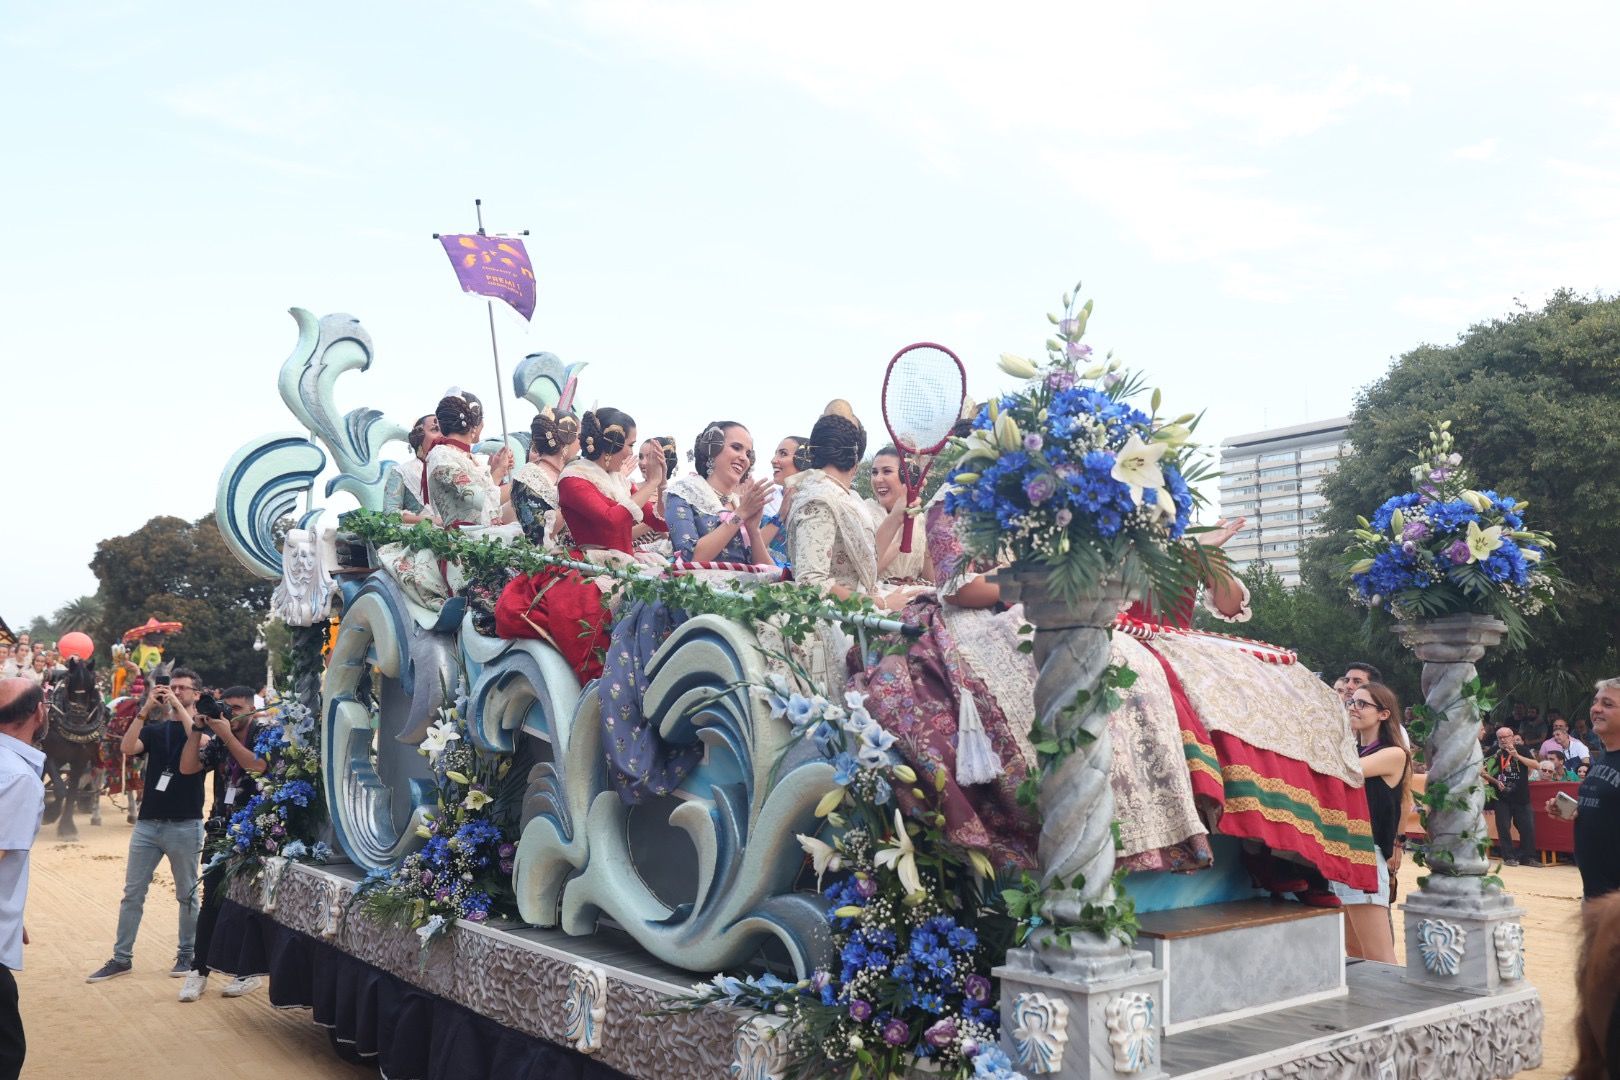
(1064, 516)
(860, 1011)
(1032, 442)
(1066, 327)
(1076, 351)
(941, 1033)
(1409, 548)
(506, 866)
(1439, 475)
(1415, 530)
(976, 988)
(1458, 552)
(442, 895)
(1040, 487)
(819, 981)
(506, 851)
(1112, 379)
(476, 916)
(866, 888)
(427, 877)
(1060, 380)
(895, 1032)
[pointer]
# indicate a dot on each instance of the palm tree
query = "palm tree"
(83, 614)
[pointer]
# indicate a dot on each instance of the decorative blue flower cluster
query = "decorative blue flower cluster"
(1049, 466)
(1455, 548)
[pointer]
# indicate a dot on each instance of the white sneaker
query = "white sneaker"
(239, 986)
(196, 983)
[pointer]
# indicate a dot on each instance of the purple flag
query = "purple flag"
(493, 266)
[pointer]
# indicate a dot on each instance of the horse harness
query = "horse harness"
(74, 720)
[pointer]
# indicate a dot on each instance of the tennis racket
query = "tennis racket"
(923, 390)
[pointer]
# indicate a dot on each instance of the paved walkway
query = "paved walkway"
(111, 1029)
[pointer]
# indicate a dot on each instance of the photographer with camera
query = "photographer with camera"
(1509, 771)
(226, 751)
(170, 824)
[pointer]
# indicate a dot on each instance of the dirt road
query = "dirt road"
(115, 1028)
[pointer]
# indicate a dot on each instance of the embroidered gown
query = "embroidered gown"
(461, 491)
(830, 542)
(640, 762)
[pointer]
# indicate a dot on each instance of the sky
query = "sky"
(742, 210)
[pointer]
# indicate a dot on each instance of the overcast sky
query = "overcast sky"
(741, 210)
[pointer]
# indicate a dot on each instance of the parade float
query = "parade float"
(441, 866)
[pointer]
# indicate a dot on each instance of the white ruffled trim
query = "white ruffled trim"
(697, 494)
(1245, 612)
(613, 487)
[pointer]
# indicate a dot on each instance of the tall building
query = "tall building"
(1274, 479)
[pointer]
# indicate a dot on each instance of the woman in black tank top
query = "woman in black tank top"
(1374, 709)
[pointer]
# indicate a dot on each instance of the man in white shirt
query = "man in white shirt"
(22, 805)
(1561, 742)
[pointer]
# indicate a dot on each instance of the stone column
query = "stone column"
(1091, 1009)
(1461, 933)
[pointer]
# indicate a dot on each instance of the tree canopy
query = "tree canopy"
(181, 571)
(1532, 397)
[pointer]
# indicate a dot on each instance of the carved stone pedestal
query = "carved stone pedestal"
(1092, 1008)
(1460, 933)
(1085, 1020)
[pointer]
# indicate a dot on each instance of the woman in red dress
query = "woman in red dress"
(563, 607)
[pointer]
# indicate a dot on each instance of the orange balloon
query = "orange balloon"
(76, 644)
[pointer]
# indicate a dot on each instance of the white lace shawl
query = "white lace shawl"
(699, 495)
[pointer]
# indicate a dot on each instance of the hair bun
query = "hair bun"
(604, 431)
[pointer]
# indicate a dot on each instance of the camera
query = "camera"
(215, 826)
(160, 680)
(210, 706)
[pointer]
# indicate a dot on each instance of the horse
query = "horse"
(72, 742)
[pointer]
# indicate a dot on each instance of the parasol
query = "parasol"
(152, 626)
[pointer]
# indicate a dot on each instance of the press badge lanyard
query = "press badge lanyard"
(168, 774)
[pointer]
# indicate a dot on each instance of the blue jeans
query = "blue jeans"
(182, 842)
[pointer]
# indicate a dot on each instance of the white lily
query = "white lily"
(1137, 467)
(438, 739)
(823, 856)
(429, 928)
(902, 856)
(476, 800)
(1481, 542)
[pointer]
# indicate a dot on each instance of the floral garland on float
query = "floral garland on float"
(915, 923)
(1067, 480)
(464, 868)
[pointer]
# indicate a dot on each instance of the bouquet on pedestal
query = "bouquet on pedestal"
(285, 815)
(1445, 548)
(1067, 474)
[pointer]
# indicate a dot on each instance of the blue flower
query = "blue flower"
(1382, 516)
(845, 769)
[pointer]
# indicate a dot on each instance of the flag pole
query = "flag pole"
(494, 348)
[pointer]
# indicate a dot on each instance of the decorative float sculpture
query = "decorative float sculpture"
(419, 720)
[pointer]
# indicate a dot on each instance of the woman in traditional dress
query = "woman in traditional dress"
(562, 606)
(460, 490)
(402, 487)
(714, 516)
(791, 458)
(830, 536)
(553, 439)
(659, 462)
(888, 513)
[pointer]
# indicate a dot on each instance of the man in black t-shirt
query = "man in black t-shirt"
(1597, 811)
(227, 753)
(170, 824)
(1509, 771)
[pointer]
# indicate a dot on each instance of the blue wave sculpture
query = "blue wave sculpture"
(260, 486)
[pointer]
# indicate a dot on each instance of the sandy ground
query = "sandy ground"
(113, 1029)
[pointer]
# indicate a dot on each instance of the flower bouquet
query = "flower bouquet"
(914, 936)
(1445, 548)
(1067, 474)
(464, 870)
(287, 812)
